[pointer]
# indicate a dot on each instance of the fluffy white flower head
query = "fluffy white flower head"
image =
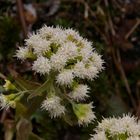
(47, 32)
(68, 49)
(65, 77)
(58, 61)
(86, 50)
(33, 38)
(97, 61)
(80, 70)
(41, 65)
(63, 49)
(85, 72)
(53, 106)
(42, 46)
(22, 53)
(72, 35)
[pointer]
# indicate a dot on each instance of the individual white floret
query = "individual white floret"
(58, 61)
(58, 38)
(91, 72)
(32, 39)
(117, 128)
(79, 93)
(86, 43)
(106, 124)
(41, 46)
(53, 106)
(65, 77)
(134, 129)
(41, 65)
(72, 34)
(130, 124)
(81, 71)
(86, 53)
(47, 32)
(99, 136)
(97, 61)
(86, 50)
(68, 49)
(22, 53)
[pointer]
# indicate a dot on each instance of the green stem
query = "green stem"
(46, 86)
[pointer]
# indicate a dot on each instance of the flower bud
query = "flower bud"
(9, 86)
(84, 113)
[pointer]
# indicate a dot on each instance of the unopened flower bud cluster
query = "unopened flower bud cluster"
(70, 57)
(122, 128)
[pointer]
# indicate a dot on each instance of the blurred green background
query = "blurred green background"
(114, 28)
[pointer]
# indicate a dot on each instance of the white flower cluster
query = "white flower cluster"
(60, 49)
(69, 56)
(127, 128)
(52, 104)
